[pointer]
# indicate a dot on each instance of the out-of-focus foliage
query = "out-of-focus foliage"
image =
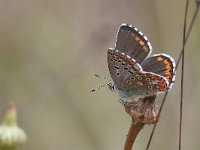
(50, 51)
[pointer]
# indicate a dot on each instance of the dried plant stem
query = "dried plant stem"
(182, 77)
(144, 111)
(132, 134)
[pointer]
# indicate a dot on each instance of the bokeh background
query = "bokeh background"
(50, 51)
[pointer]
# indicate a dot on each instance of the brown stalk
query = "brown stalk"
(132, 134)
(142, 112)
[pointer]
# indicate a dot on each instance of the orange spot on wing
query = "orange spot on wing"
(130, 62)
(159, 59)
(148, 74)
(158, 78)
(162, 87)
(144, 48)
(167, 72)
(141, 43)
(168, 67)
(165, 61)
(137, 38)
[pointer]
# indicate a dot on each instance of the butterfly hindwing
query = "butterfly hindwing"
(145, 83)
(161, 64)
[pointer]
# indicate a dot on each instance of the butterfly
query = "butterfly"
(135, 75)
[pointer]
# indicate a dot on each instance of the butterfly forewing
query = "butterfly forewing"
(132, 42)
(121, 66)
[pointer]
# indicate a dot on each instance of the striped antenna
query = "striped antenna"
(99, 76)
(93, 90)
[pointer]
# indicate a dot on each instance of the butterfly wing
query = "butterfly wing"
(161, 64)
(146, 83)
(121, 66)
(129, 76)
(132, 42)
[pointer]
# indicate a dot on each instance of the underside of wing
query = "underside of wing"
(146, 83)
(121, 66)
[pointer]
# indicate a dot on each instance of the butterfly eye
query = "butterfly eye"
(111, 86)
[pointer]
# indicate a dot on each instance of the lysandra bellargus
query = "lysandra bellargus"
(134, 74)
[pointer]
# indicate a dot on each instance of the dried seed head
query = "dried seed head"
(143, 110)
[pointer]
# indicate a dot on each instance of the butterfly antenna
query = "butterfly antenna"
(99, 76)
(98, 87)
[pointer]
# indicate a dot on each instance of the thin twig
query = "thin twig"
(180, 55)
(188, 33)
(182, 76)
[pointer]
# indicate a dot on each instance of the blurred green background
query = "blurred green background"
(50, 51)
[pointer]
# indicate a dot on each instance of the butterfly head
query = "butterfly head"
(111, 86)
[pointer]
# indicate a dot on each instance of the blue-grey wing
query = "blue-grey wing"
(132, 42)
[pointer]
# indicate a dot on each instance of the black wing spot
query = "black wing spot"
(116, 67)
(130, 72)
(132, 78)
(128, 82)
(150, 83)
